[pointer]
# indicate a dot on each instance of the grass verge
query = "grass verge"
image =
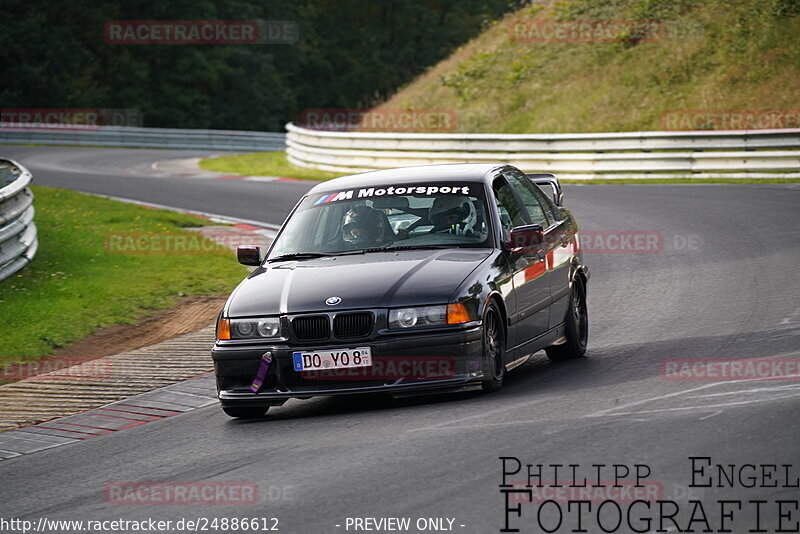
(76, 285)
(713, 56)
(264, 164)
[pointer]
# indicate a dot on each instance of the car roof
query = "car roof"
(450, 172)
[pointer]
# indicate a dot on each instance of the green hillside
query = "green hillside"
(712, 55)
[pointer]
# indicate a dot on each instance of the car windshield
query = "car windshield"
(443, 214)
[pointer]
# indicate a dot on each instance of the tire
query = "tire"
(577, 326)
(246, 413)
(493, 348)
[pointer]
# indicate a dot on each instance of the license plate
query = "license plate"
(332, 359)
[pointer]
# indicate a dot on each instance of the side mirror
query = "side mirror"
(249, 255)
(527, 240)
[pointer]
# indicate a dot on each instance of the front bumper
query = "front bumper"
(401, 366)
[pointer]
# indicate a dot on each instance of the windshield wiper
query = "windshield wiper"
(407, 247)
(299, 256)
(312, 255)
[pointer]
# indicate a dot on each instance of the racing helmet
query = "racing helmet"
(454, 213)
(363, 225)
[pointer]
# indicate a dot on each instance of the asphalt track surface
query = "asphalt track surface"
(723, 285)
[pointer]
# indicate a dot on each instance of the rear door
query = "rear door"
(531, 285)
(563, 234)
(543, 211)
(560, 239)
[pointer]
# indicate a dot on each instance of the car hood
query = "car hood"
(372, 280)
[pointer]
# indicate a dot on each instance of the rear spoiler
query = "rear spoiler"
(548, 181)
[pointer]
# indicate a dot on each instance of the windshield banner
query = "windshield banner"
(369, 192)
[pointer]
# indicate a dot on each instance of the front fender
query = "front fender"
(490, 278)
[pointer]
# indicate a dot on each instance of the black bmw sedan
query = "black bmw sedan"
(405, 281)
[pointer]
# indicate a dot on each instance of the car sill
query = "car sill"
(516, 363)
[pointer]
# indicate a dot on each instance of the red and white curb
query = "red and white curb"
(134, 411)
(85, 403)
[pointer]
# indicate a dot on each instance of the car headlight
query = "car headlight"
(419, 317)
(259, 328)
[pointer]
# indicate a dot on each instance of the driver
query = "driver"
(453, 214)
(364, 227)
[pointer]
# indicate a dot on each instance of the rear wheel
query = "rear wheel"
(493, 348)
(246, 413)
(577, 326)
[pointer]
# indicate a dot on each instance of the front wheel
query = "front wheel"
(577, 326)
(246, 413)
(493, 349)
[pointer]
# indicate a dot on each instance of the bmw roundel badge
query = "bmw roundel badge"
(333, 301)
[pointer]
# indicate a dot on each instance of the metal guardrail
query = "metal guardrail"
(126, 136)
(18, 241)
(697, 154)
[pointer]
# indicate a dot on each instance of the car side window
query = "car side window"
(511, 213)
(549, 206)
(527, 192)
